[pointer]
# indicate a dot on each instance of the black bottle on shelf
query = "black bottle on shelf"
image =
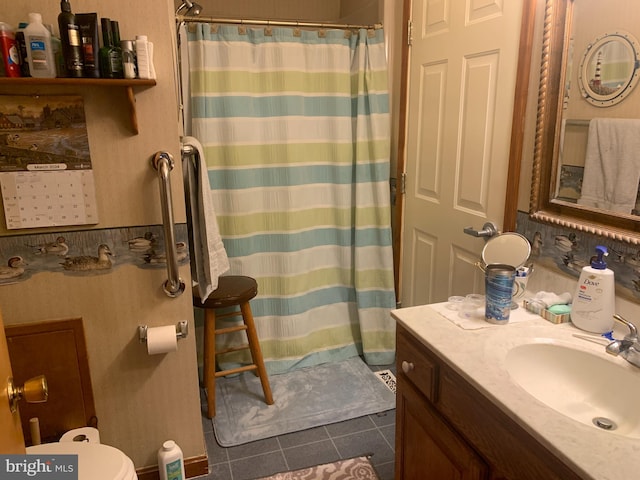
(115, 38)
(110, 57)
(88, 23)
(71, 41)
(22, 50)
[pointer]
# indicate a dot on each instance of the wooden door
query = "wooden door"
(11, 438)
(462, 71)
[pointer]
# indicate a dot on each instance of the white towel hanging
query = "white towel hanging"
(210, 257)
(612, 164)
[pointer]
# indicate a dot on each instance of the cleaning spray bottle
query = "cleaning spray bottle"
(594, 301)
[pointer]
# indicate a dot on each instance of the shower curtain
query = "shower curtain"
(295, 129)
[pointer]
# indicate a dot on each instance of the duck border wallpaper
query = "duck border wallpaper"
(567, 251)
(88, 252)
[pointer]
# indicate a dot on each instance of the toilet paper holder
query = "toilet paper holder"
(182, 330)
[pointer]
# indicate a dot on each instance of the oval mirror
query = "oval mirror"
(609, 69)
(508, 248)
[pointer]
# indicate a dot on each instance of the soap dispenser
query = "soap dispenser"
(594, 301)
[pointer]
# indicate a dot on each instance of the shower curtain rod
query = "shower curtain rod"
(272, 23)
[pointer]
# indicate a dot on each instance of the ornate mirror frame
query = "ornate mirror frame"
(555, 51)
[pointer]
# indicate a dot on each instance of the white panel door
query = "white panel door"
(462, 73)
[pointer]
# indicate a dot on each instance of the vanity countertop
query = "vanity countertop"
(479, 356)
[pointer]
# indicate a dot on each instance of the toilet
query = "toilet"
(95, 460)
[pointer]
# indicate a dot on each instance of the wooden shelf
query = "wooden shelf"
(127, 84)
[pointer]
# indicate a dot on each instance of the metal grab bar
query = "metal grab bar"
(163, 163)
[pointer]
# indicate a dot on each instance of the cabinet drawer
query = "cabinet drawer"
(416, 365)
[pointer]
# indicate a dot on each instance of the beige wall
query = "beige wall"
(327, 10)
(364, 11)
(344, 11)
(140, 400)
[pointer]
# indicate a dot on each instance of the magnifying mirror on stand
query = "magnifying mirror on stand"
(510, 248)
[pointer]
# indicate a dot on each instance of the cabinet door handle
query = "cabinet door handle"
(407, 366)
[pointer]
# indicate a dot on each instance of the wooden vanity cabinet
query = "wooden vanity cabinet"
(446, 429)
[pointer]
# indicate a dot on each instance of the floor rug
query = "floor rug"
(303, 399)
(351, 469)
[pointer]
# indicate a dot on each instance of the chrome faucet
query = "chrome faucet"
(629, 347)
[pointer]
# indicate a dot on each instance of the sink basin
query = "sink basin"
(588, 388)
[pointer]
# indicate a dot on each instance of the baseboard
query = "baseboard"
(193, 467)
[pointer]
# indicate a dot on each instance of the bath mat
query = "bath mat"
(352, 469)
(303, 399)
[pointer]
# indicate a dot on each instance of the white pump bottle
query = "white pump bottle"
(594, 301)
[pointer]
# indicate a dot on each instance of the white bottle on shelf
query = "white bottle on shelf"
(39, 48)
(152, 69)
(142, 56)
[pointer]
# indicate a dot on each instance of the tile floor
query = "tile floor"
(371, 435)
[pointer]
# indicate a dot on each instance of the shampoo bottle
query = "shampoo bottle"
(22, 49)
(71, 38)
(88, 23)
(39, 48)
(170, 462)
(594, 301)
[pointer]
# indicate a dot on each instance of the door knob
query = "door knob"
(489, 229)
(34, 390)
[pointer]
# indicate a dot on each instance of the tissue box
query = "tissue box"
(535, 307)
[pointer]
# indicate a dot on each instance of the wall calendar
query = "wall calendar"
(46, 176)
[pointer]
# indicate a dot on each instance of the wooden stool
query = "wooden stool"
(233, 290)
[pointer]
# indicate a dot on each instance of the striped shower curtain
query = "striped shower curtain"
(295, 130)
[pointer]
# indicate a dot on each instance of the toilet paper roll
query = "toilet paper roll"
(84, 434)
(161, 340)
